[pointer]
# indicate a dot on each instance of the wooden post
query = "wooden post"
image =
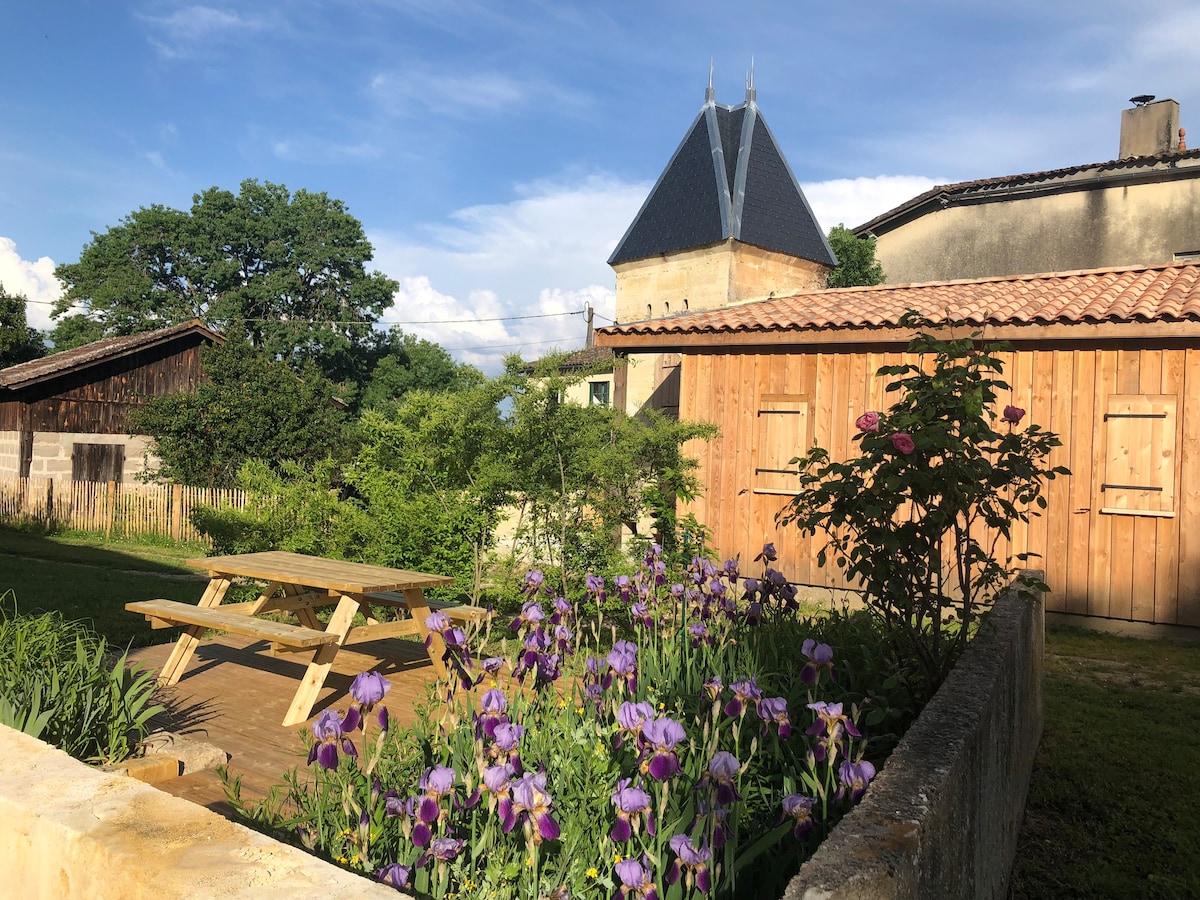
(111, 511)
(177, 512)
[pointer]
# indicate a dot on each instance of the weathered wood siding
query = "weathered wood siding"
(97, 399)
(1127, 566)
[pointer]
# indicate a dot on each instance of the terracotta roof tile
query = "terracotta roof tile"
(1148, 293)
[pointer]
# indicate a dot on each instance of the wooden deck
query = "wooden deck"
(234, 695)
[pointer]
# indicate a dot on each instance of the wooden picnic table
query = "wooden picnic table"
(298, 584)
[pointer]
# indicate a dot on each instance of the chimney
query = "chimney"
(1150, 128)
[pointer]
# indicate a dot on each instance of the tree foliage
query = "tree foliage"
(289, 271)
(918, 515)
(405, 362)
(431, 480)
(18, 341)
(249, 407)
(857, 265)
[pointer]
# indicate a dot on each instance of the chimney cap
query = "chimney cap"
(1141, 99)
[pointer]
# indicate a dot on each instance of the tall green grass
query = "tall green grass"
(60, 683)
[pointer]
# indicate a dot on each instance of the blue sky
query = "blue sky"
(496, 152)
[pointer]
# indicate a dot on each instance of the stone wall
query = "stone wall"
(71, 831)
(52, 453)
(942, 818)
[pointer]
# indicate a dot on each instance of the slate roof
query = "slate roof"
(96, 352)
(1087, 174)
(727, 179)
(1141, 294)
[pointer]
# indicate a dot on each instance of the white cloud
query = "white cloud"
(543, 254)
(182, 32)
(853, 201)
(35, 280)
(453, 93)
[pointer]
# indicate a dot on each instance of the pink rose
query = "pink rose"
(868, 421)
(903, 442)
(1013, 414)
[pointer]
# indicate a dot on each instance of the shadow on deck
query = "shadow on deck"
(235, 693)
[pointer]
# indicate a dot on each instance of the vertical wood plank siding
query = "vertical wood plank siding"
(1139, 567)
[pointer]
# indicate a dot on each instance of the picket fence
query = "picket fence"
(121, 510)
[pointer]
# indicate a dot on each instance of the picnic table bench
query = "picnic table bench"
(298, 584)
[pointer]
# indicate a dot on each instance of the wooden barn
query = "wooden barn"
(66, 415)
(1110, 360)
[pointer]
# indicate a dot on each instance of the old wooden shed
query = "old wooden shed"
(66, 415)
(1108, 359)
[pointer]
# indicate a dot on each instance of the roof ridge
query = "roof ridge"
(961, 187)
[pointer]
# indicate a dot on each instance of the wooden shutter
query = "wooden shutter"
(782, 435)
(97, 462)
(1139, 469)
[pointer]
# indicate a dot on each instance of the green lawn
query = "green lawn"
(1112, 809)
(85, 579)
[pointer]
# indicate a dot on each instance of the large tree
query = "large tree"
(857, 265)
(249, 407)
(18, 341)
(287, 270)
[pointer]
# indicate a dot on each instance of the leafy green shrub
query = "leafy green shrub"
(58, 684)
(710, 753)
(916, 517)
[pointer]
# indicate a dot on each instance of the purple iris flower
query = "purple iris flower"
(775, 709)
(443, 849)
(622, 665)
(692, 860)
(531, 802)
(493, 664)
(437, 621)
(330, 730)
(722, 769)
(495, 779)
(745, 692)
(563, 611)
(639, 613)
(397, 808)
(751, 586)
(595, 585)
(531, 614)
(533, 581)
(661, 736)
(855, 777)
(768, 553)
(818, 656)
(493, 701)
(800, 809)
(562, 638)
(753, 612)
(394, 875)
(622, 584)
(632, 804)
(716, 587)
(776, 577)
(829, 725)
(507, 744)
(438, 781)
(730, 568)
(699, 634)
(635, 880)
(368, 688)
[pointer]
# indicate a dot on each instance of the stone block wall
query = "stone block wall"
(71, 831)
(52, 453)
(942, 818)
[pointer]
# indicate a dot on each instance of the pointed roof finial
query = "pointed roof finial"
(751, 94)
(710, 95)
